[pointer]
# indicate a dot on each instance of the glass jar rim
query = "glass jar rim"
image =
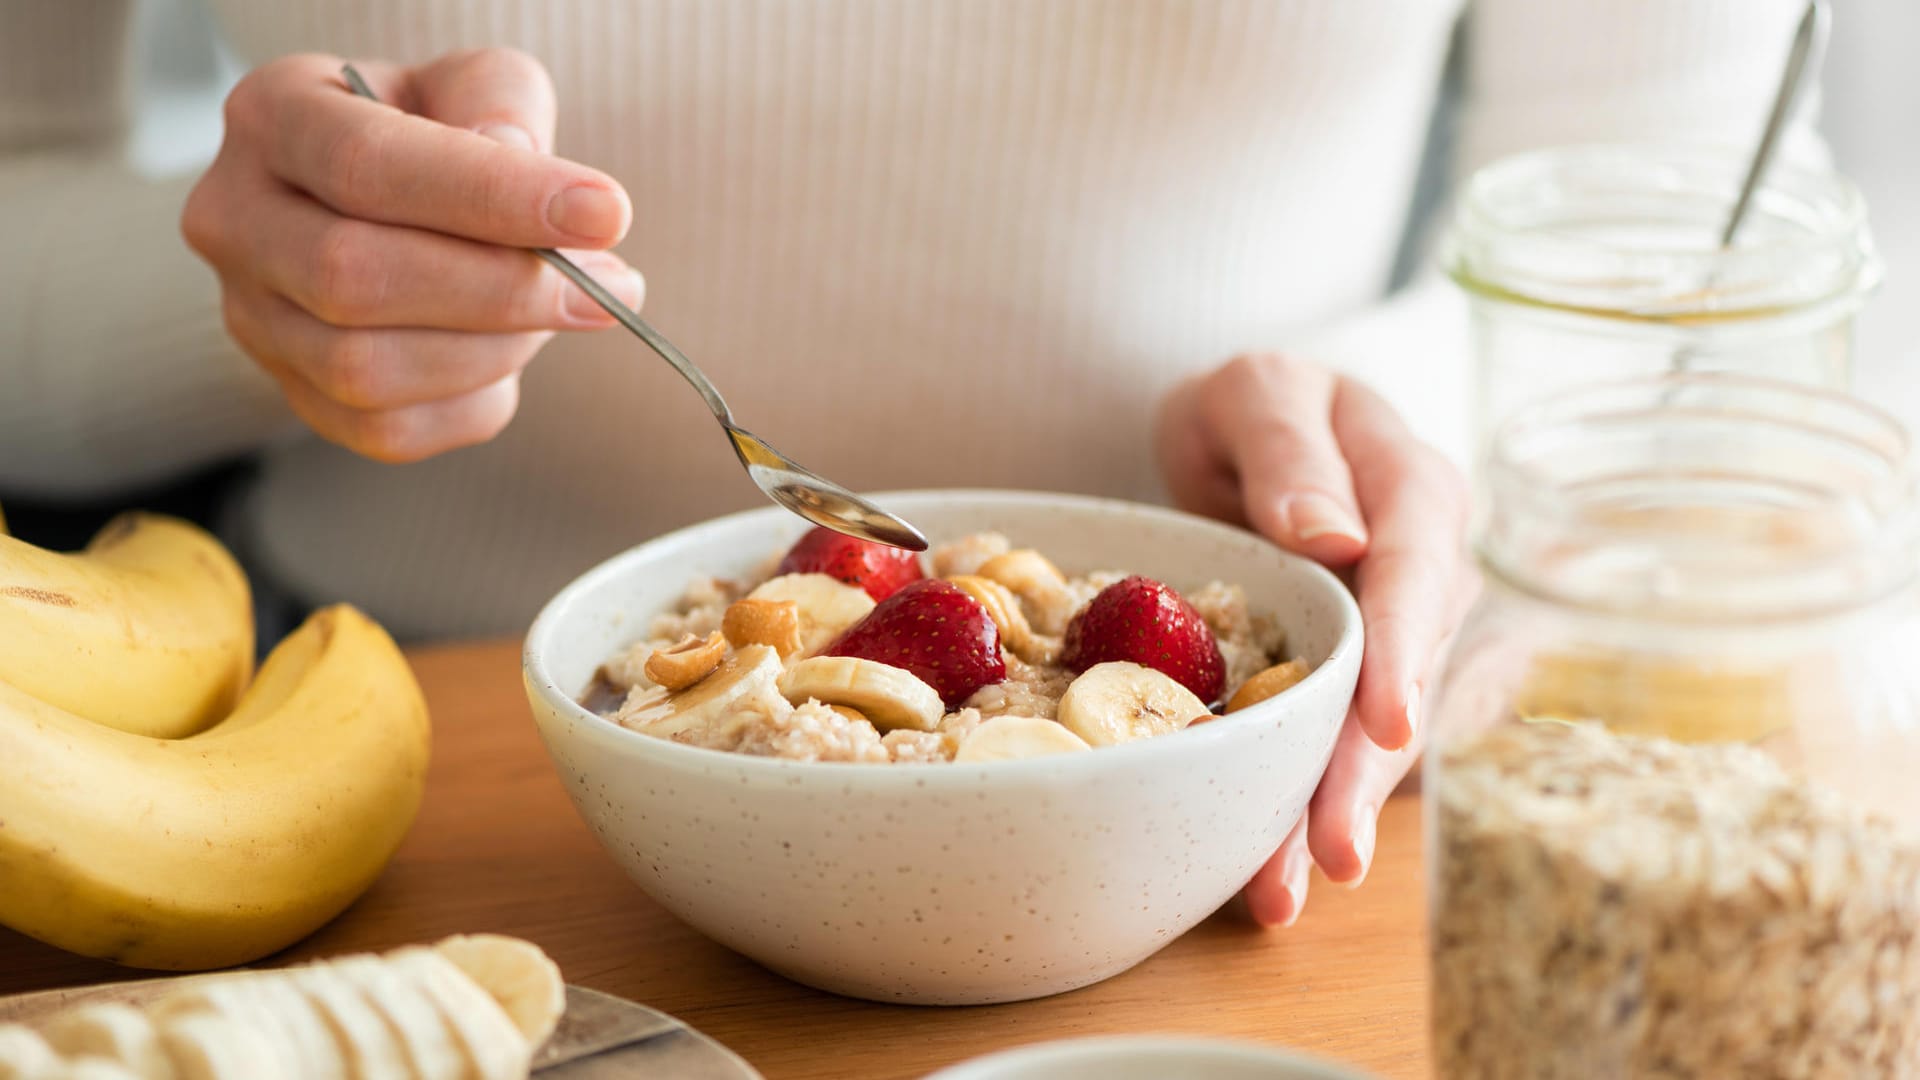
(1863, 543)
(1513, 235)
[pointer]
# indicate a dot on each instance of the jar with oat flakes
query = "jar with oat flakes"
(1673, 794)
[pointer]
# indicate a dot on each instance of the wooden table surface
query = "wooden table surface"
(498, 847)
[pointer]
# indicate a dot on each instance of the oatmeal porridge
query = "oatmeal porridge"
(848, 651)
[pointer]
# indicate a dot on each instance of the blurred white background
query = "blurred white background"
(1872, 116)
(1870, 113)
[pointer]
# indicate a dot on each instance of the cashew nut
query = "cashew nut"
(763, 622)
(686, 661)
(1267, 684)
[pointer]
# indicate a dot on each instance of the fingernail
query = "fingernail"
(1299, 872)
(1311, 517)
(509, 135)
(588, 212)
(1413, 710)
(1365, 834)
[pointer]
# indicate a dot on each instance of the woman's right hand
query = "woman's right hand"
(371, 257)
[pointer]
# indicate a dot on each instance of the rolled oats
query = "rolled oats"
(1625, 906)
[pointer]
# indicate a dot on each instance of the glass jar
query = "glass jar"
(1673, 789)
(1593, 263)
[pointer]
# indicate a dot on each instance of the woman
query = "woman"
(953, 242)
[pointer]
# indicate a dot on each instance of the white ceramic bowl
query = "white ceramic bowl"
(1145, 1058)
(950, 884)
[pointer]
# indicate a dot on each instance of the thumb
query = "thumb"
(504, 94)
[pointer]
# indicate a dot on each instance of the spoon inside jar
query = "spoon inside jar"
(785, 481)
(1809, 44)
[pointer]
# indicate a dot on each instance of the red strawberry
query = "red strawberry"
(1141, 620)
(877, 568)
(935, 630)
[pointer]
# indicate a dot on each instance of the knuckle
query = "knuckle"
(343, 278)
(349, 370)
(389, 436)
(516, 64)
(348, 163)
(237, 319)
(200, 225)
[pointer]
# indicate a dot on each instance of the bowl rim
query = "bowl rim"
(1092, 1049)
(1346, 649)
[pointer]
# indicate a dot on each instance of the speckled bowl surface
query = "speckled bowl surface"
(947, 883)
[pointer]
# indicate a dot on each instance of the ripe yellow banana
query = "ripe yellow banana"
(213, 850)
(148, 630)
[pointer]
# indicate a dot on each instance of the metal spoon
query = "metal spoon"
(1809, 45)
(785, 481)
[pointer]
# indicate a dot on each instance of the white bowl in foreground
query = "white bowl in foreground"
(948, 883)
(1145, 1058)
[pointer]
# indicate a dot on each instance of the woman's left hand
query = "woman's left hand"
(1324, 467)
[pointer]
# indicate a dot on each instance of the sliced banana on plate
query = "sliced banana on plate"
(495, 1049)
(1119, 701)
(710, 704)
(361, 1036)
(888, 696)
(238, 1001)
(96, 1068)
(424, 1038)
(210, 1046)
(828, 606)
(24, 1055)
(1006, 738)
(517, 975)
(115, 1032)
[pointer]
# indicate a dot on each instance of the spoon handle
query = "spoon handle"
(1809, 42)
(626, 316)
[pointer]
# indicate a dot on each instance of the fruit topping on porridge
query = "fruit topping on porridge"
(848, 651)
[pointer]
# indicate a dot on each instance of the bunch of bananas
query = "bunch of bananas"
(160, 808)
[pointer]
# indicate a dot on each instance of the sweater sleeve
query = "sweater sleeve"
(1546, 74)
(114, 366)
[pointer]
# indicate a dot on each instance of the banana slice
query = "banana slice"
(515, 974)
(1033, 578)
(237, 999)
(1118, 702)
(424, 1038)
(210, 1046)
(361, 1037)
(97, 1068)
(828, 606)
(711, 703)
(1004, 609)
(884, 694)
(495, 1049)
(24, 1055)
(1005, 738)
(299, 1022)
(114, 1031)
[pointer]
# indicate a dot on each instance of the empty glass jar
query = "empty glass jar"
(1673, 793)
(1591, 263)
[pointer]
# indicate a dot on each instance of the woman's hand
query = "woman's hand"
(1322, 466)
(367, 252)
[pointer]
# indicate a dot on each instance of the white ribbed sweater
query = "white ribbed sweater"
(917, 243)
